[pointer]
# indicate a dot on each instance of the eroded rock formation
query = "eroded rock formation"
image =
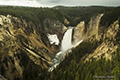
(20, 43)
(82, 32)
(109, 43)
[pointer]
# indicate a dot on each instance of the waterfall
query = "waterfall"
(66, 42)
(65, 46)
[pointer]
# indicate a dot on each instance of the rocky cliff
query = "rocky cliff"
(21, 43)
(54, 27)
(84, 31)
(92, 32)
(108, 45)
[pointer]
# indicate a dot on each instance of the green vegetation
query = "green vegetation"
(77, 14)
(34, 72)
(110, 16)
(73, 68)
(36, 15)
(73, 14)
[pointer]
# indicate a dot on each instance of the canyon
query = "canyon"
(22, 43)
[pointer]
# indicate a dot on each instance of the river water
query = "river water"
(66, 46)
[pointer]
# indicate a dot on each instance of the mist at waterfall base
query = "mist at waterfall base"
(66, 46)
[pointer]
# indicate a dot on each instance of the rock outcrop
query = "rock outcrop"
(109, 44)
(21, 42)
(92, 32)
(2, 78)
(79, 32)
(54, 27)
(82, 32)
(93, 26)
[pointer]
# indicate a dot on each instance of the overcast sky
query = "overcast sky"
(51, 3)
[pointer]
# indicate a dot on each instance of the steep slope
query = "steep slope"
(20, 44)
(109, 44)
(97, 57)
(84, 31)
(25, 51)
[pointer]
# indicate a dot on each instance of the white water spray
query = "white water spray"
(66, 42)
(65, 46)
(53, 39)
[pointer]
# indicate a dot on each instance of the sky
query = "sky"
(51, 3)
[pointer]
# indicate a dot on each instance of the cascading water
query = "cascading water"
(66, 45)
(66, 42)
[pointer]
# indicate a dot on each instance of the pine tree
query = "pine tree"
(116, 73)
(88, 76)
(77, 76)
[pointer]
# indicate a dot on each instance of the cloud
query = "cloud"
(50, 3)
(32, 3)
(90, 2)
